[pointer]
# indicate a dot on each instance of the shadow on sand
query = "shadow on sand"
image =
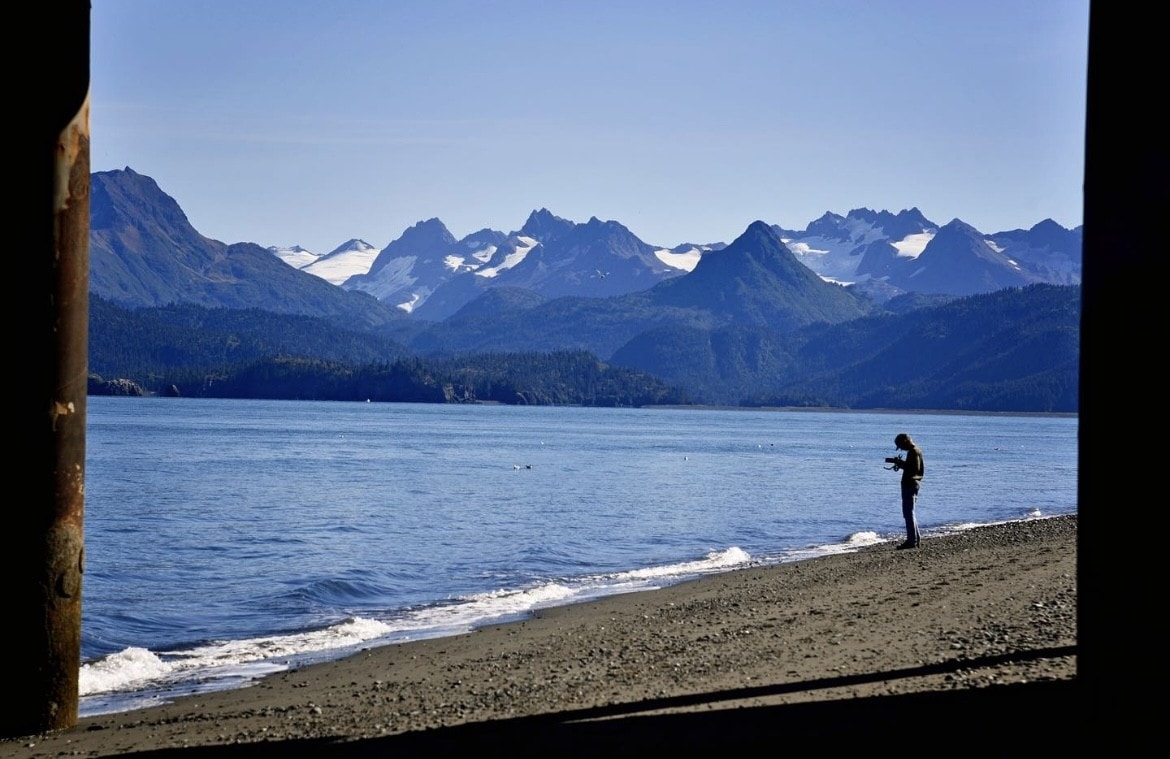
(1004, 719)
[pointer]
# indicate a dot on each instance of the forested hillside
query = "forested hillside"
(1012, 350)
(1016, 349)
(192, 351)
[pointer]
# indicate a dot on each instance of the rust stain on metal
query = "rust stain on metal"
(72, 147)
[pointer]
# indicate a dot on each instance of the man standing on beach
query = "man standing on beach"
(913, 469)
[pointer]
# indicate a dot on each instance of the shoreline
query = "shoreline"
(855, 410)
(982, 620)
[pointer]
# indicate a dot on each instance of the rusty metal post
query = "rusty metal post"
(43, 541)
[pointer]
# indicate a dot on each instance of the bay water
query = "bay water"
(227, 539)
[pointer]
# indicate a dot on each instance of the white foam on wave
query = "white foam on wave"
(715, 561)
(121, 670)
(852, 542)
(137, 668)
(135, 671)
(138, 677)
(348, 633)
(233, 663)
(1030, 515)
(466, 612)
(131, 677)
(862, 539)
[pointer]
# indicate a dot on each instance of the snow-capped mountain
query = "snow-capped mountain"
(1047, 249)
(685, 256)
(892, 253)
(296, 256)
(428, 272)
(428, 269)
(351, 257)
(144, 252)
(410, 268)
(834, 246)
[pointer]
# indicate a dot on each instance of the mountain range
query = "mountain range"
(726, 321)
(427, 272)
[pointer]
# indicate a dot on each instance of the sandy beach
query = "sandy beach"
(971, 638)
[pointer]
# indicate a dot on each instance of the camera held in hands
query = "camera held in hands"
(896, 462)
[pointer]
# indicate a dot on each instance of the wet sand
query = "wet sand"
(971, 638)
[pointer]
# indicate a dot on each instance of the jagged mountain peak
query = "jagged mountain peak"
(432, 226)
(867, 214)
(828, 225)
(428, 240)
(864, 225)
(543, 225)
(595, 227)
(543, 214)
(896, 226)
(914, 213)
(428, 235)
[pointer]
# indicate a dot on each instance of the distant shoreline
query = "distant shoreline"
(828, 409)
(649, 407)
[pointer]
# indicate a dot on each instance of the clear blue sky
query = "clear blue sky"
(285, 122)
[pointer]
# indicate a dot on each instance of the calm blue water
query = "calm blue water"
(227, 539)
